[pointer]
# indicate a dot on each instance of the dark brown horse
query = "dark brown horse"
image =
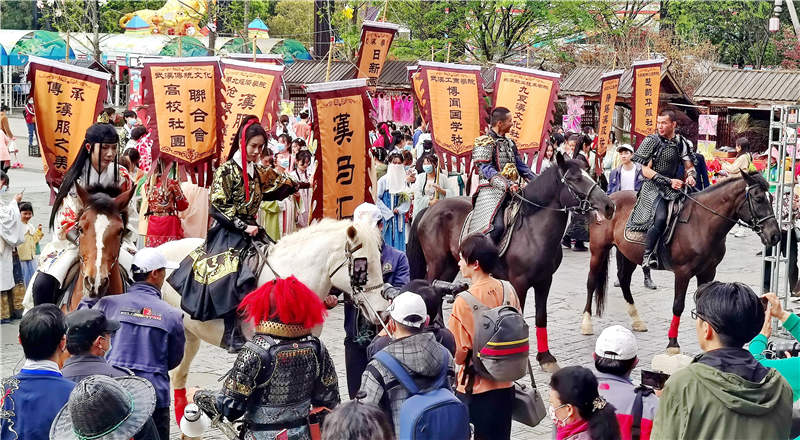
(101, 225)
(534, 253)
(697, 246)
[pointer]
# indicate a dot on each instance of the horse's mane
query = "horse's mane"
(101, 200)
(727, 182)
(367, 235)
(545, 183)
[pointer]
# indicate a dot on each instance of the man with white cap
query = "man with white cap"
(415, 349)
(615, 356)
(359, 331)
(151, 339)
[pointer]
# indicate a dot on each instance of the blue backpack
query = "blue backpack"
(433, 415)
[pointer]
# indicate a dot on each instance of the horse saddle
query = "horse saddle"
(676, 213)
(510, 212)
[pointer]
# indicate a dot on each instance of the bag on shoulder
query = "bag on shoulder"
(436, 414)
(500, 339)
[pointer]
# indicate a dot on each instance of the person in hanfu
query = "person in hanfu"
(164, 200)
(215, 277)
(394, 202)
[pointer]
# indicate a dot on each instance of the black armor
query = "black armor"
(274, 382)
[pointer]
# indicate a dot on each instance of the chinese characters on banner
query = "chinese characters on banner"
(646, 89)
(184, 109)
(67, 100)
(250, 89)
(530, 95)
(454, 102)
(376, 38)
(608, 97)
(341, 125)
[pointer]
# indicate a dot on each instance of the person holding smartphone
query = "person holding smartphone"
(615, 357)
(788, 367)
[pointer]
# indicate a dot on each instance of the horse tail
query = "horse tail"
(599, 277)
(416, 257)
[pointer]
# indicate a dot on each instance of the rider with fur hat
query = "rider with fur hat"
(283, 371)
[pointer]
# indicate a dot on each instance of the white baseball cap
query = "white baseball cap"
(617, 343)
(367, 213)
(150, 259)
(408, 305)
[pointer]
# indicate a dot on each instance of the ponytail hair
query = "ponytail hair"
(577, 386)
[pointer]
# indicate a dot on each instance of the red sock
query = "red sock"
(673, 327)
(541, 339)
(180, 403)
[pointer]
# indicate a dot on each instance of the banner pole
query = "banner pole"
(385, 7)
(330, 58)
(449, 43)
(254, 49)
(431, 53)
(66, 54)
(180, 46)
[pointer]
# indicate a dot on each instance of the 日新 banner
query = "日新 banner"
(249, 89)
(341, 126)
(646, 90)
(184, 109)
(376, 38)
(67, 100)
(608, 97)
(530, 95)
(454, 102)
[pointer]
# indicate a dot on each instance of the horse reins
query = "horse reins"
(583, 206)
(754, 224)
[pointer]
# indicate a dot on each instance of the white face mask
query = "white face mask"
(427, 168)
(30, 101)
(131, 121)
(284, 163)
(556, 421)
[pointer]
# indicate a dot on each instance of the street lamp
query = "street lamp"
(774, 21)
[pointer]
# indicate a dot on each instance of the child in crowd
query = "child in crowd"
(27, 250)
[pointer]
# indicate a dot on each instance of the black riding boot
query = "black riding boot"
(232, 339)
(648, 281)
(496, 234)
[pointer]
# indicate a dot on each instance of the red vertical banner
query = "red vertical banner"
(184, 110)
(608, 98)
(341, 127)
(531, 96)
(249, 89)
(454, 101)
(376, 38)
(67, 100)
(646, 90)
(415, 79)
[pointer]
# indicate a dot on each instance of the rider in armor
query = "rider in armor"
(500, 168)
(96, 163)
(660, 156)
(212, 280)
(283, 371)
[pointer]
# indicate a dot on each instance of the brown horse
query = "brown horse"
(101, 225)
(534, 253)
(697, 246)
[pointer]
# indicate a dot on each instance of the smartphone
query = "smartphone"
(654, 379)
(359, 274)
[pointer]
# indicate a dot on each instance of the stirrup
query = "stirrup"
(648, 260)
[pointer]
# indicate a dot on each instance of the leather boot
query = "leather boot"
(579, 246)
(233, 339)
(648, 259)
(648, 281)
(566, 242)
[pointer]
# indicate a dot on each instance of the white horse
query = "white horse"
(319, 255)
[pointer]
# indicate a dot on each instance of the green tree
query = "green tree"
(293, 19)
(739, 28)
(17, 14)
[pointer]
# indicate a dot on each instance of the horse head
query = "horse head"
(362, 250)
(579, 189)
(756, 209)
(101, 226)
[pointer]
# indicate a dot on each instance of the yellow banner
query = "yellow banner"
(342, 140)
(376, 38)
(646, 88)
(529, 97)
(247, 92)
(185, 111)
(65, 108)
(608, 97)
(453, 103)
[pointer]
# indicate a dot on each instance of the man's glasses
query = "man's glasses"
(696, 315)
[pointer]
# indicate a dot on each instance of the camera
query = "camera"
(778, 349)
(449, 290)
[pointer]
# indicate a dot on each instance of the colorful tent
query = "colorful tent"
(137, 26)
(189, 47)
(17, 45)
(257, 29)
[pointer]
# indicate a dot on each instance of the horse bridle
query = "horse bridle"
(754, 223)
(584, 206)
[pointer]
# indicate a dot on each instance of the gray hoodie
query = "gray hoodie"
(421, 356)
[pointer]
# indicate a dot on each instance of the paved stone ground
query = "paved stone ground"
(567, 298)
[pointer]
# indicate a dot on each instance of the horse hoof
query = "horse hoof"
(639, 326)
(586, 324)
(548, 362)
(550, 367)
(673, 350)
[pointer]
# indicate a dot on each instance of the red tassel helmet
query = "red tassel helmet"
(283, 307)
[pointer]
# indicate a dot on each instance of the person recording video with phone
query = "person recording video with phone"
(789, 367)
(615, 357)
